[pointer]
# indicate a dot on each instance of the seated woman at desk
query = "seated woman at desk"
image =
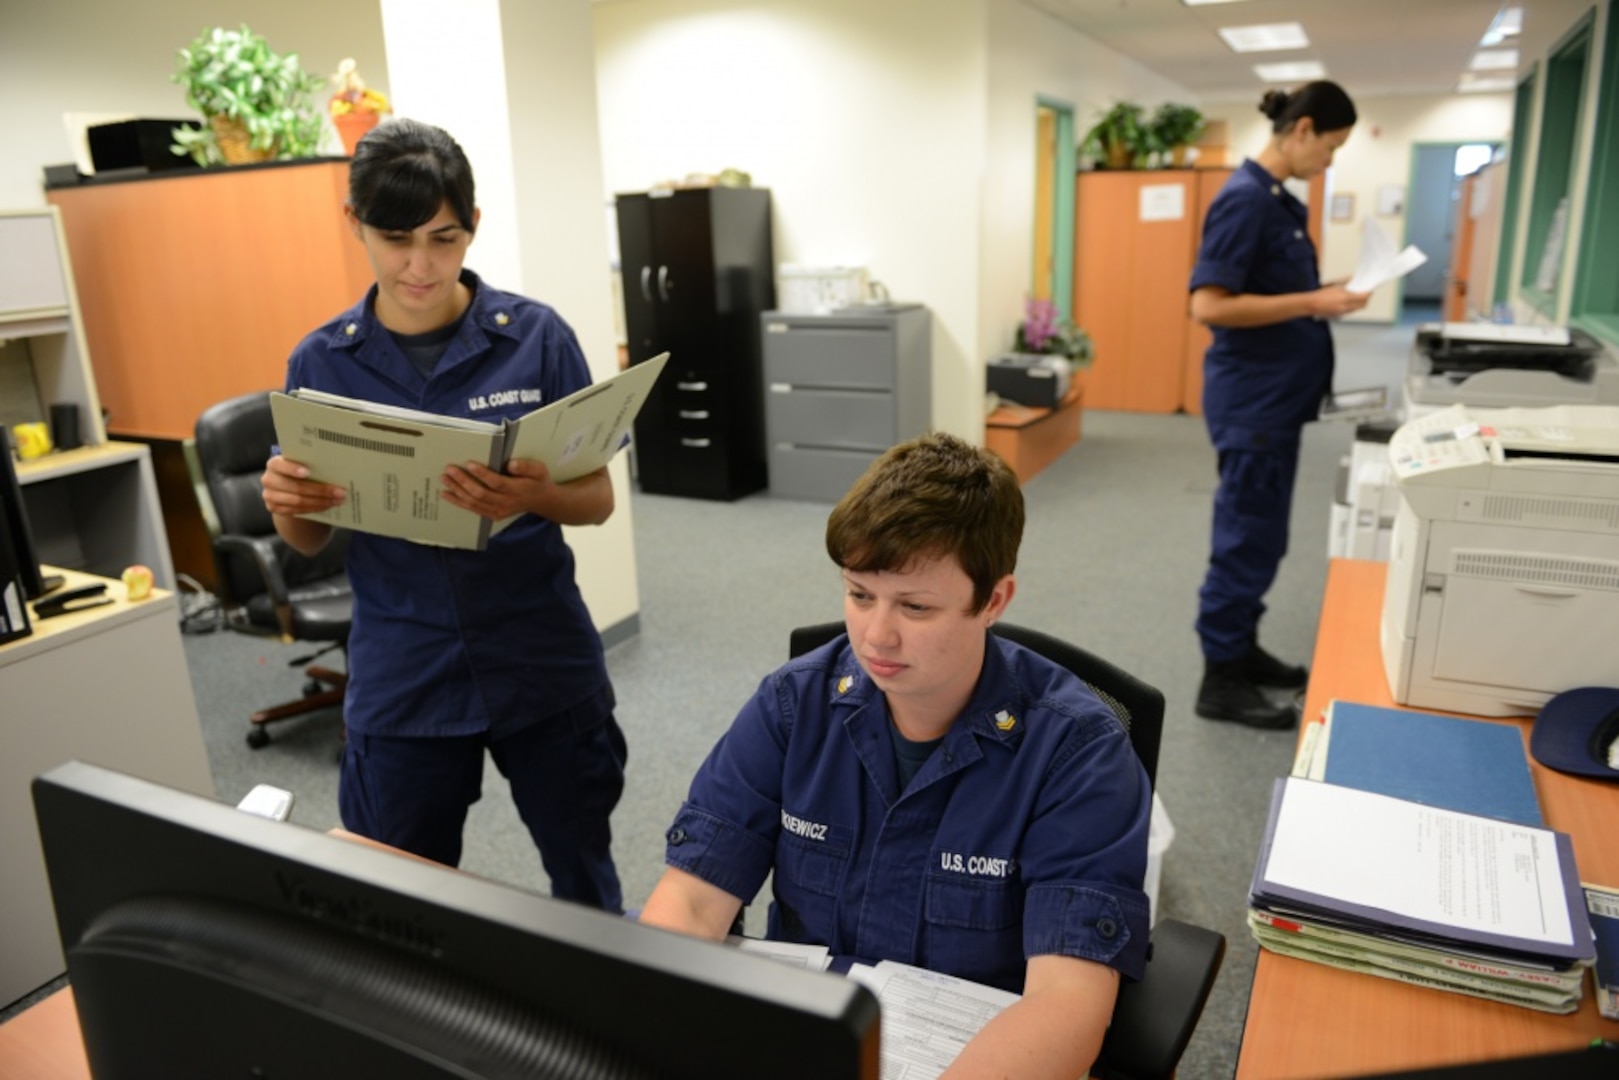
(925, 791)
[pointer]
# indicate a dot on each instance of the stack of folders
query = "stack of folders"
(1422, 858)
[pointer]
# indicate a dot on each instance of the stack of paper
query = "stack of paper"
(391, 459)
(1421, 894)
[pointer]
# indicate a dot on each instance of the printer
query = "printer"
(1503, 579)
(1501, 366)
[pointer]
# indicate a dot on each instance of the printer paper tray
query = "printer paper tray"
(1523, 636)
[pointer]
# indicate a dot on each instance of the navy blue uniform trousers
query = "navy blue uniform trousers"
(1251, 510)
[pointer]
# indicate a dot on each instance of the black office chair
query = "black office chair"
(265, 587)
(1153, 1019)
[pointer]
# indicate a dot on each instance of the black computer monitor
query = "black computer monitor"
(203, 941)
(14, 519)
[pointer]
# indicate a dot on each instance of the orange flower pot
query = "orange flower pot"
(352, 126)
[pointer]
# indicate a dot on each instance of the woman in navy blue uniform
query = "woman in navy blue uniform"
(1257, 286)
(457, 653)
(925, 791)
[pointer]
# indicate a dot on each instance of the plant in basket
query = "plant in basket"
(1046, 332)
(258, 103)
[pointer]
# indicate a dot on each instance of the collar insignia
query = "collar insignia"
(1005, 720)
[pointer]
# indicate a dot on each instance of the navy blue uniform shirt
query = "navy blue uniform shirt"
(451, 642)
(1262, 378)
(1025, 834)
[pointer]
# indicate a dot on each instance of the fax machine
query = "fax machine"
(1486, 365)
(1503, 580)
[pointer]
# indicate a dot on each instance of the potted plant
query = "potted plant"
(1044, 331)
(355, 108)
(1119, 138)
(258, 104)
(1173, 127)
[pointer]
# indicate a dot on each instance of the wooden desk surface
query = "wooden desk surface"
(1307, 1019)
(42, 1042)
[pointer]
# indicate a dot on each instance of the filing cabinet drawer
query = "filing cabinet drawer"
(849, 418)
(817, 474)
(824, 353)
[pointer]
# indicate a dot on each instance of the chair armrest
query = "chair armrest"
(1153, 1019)
(262, 550)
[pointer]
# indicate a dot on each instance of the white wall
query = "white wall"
(1379, 152)
(864, 120)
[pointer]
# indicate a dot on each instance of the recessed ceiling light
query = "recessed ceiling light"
(1265, 37)
(1495, 60)
(1200, 3)
(1292, 71)
(1483, 84)
(1507, 24)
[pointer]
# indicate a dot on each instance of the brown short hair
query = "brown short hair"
(933, 496)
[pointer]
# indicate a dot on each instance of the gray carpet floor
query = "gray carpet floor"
(1112, 559)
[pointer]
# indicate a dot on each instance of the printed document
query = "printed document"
(1379, 262)
(1471, 873)
(927, 1017)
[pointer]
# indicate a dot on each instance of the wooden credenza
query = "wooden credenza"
(196, 285)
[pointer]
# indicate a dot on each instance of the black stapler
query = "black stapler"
(71, 600)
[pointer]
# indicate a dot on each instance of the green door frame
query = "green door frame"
(1062, 214)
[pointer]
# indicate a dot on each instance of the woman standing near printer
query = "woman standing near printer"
(1257, 286)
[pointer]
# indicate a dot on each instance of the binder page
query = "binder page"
(1467, 872)
(927, 1017)
(580, 433)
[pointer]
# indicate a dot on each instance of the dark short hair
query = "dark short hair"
(403, 171)
(1325, 103)
(931, 497)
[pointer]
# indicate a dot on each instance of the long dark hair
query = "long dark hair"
(1325, 103)
(403, 171)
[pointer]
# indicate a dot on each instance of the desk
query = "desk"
(1030, 438)
(1308, 1019)
(106, 685)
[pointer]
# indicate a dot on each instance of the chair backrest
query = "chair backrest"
(1139, 707)
(232, 442)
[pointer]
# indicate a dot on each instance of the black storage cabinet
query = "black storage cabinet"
(697, 272)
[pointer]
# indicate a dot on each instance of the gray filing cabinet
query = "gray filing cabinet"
(839, 390)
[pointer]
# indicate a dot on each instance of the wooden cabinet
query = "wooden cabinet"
(196, 285)
(93, 507)
(697, 273)
(1198, 337)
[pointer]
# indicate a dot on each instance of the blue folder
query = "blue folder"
(1472, 766)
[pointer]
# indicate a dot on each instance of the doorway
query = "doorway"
(1052, 275)
(1433, 210)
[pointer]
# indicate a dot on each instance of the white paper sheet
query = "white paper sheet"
(1379, 262)
(809, 957)
(1471, 873)
(927, 1017)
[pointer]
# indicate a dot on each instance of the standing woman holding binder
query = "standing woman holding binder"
(454, 653)
(1256, 285)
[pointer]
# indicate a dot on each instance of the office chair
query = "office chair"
(265, 587)
(1153, 1019)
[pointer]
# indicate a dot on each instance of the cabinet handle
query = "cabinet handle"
(694, 414)
(699, 443)
(646, 283)
(664, 284)
(691, 386)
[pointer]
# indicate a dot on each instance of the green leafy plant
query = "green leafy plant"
(234, 75)
(1043, 330)
(1174, 125)
(1119, 139)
